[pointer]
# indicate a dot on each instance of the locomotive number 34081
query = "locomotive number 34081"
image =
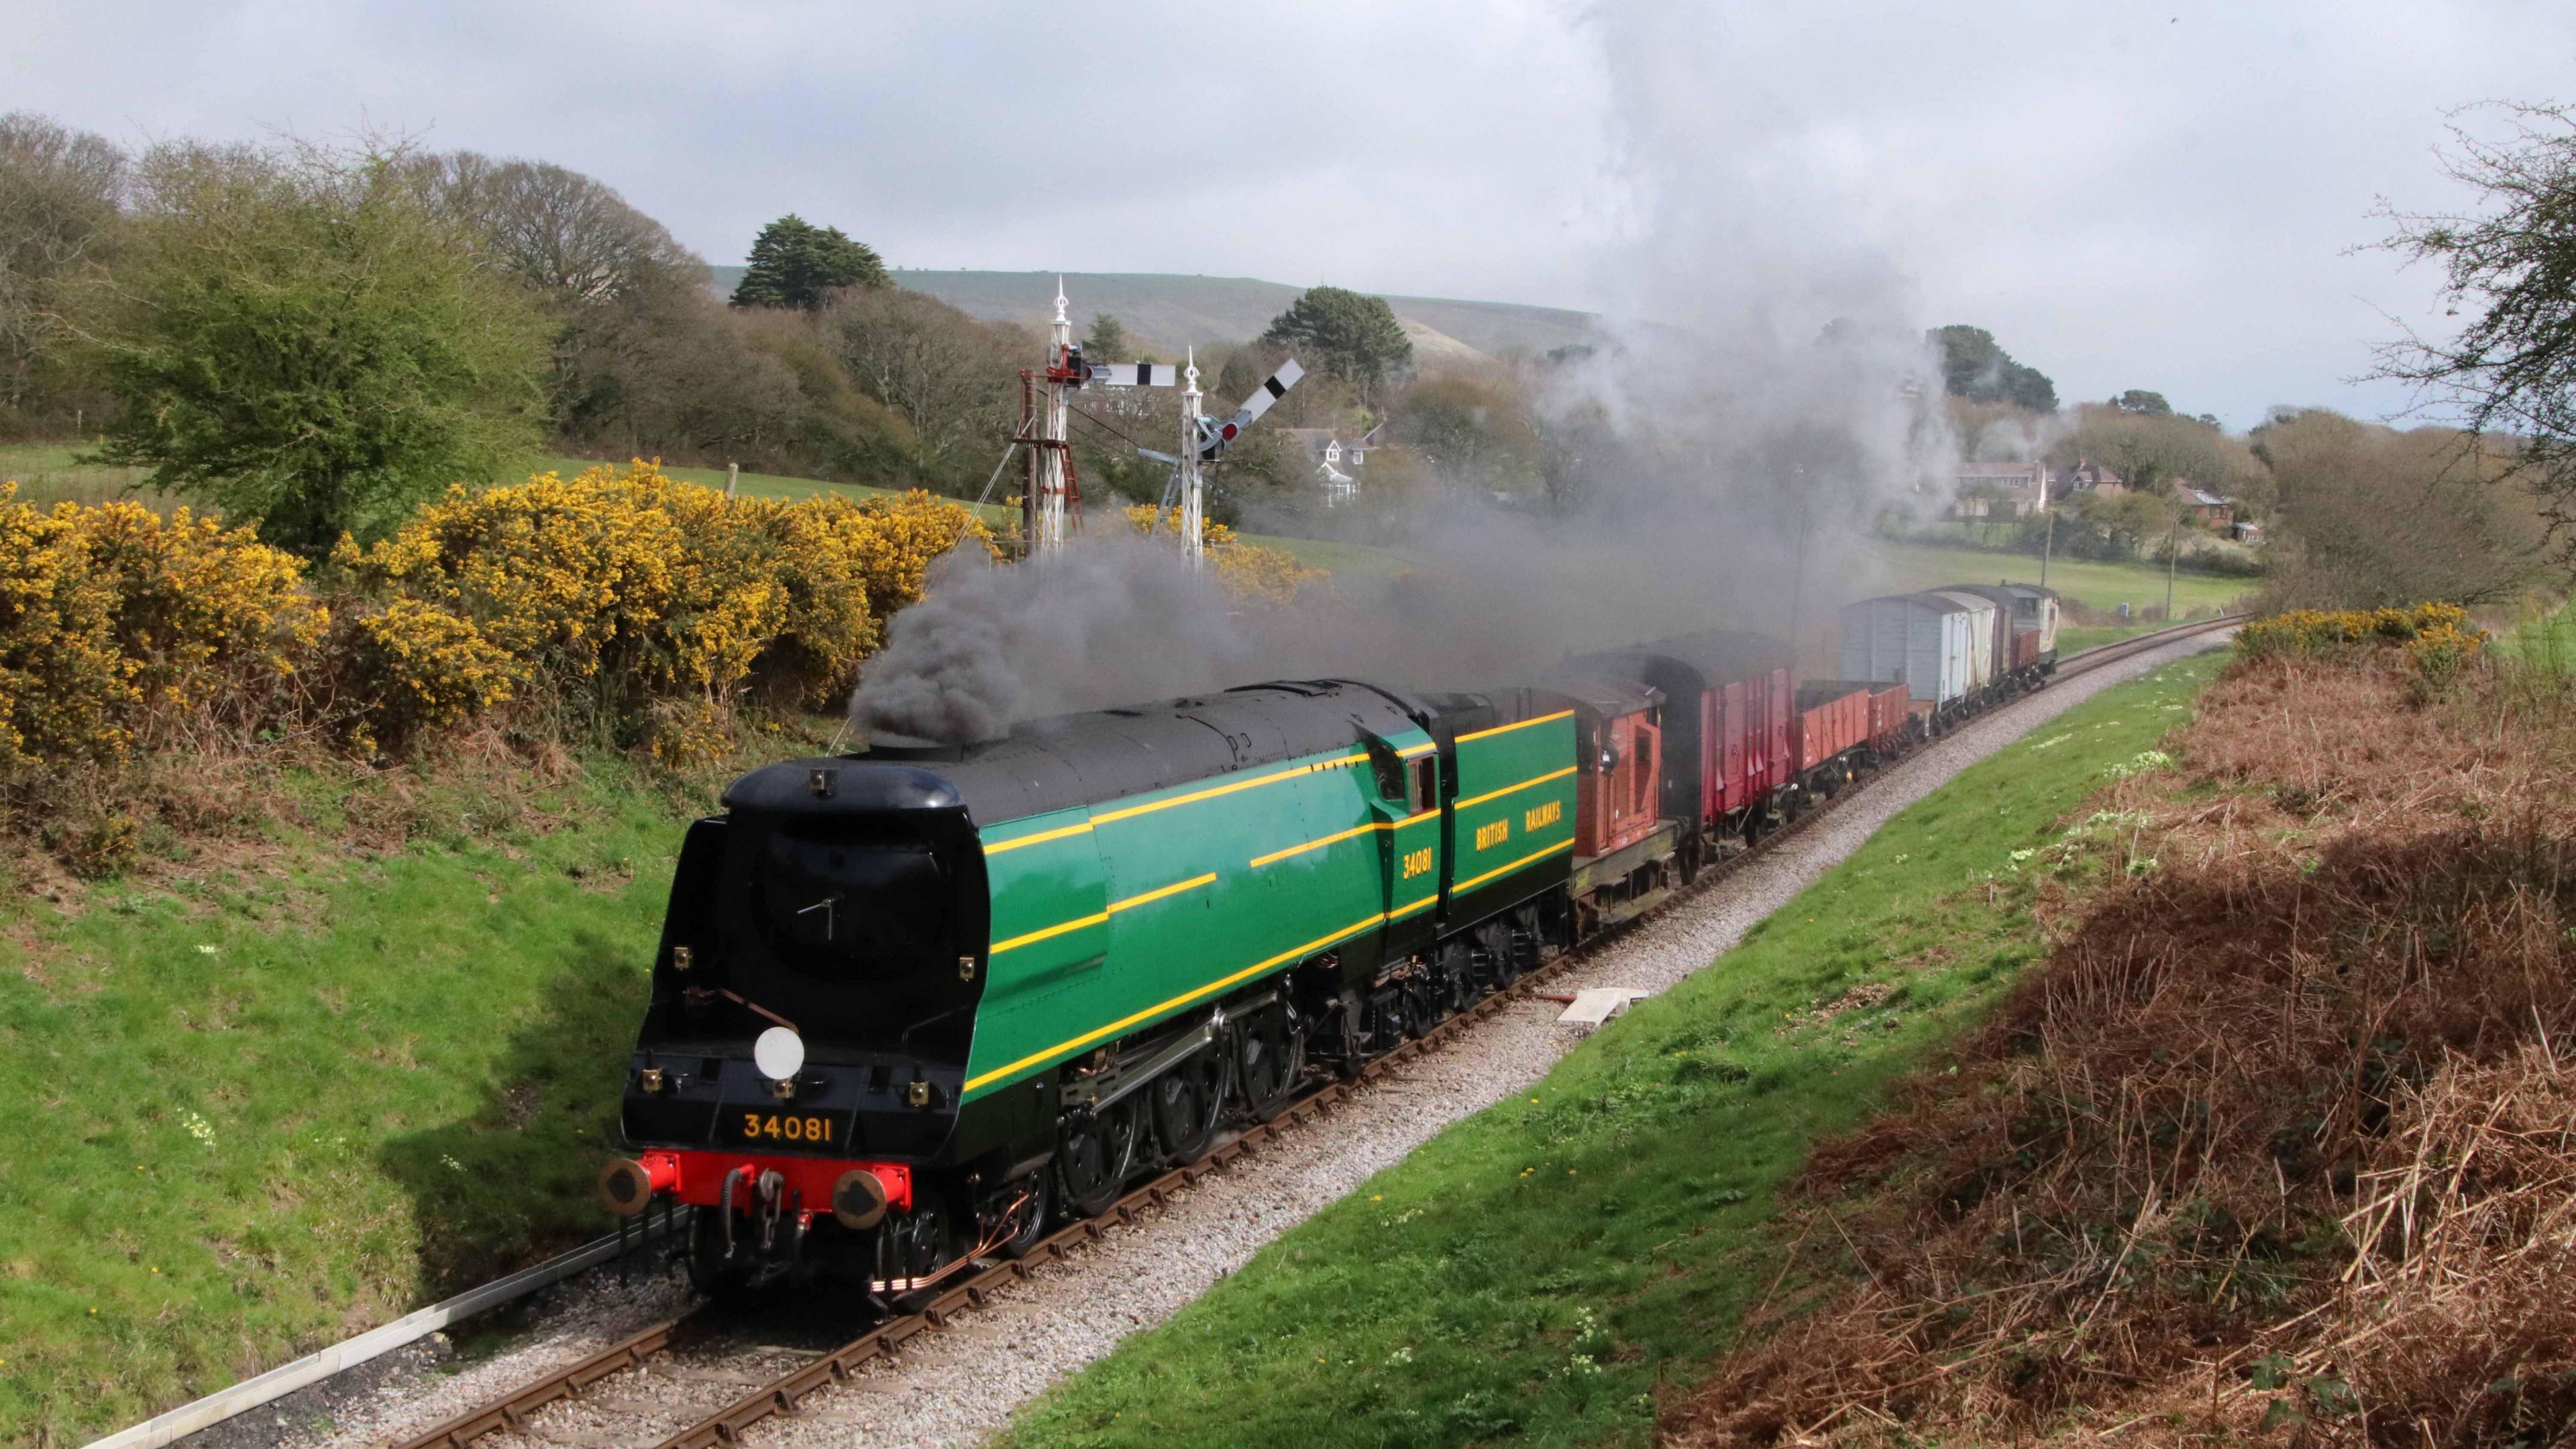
(780, 1127)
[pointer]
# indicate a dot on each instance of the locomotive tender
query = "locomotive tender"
(913, 1005)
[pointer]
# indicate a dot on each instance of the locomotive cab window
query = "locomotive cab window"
(1389, 771)
(1418, 794)
(837, 899)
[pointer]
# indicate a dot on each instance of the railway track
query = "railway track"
(782, 1394)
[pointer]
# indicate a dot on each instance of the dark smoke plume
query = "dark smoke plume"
(1736, 453)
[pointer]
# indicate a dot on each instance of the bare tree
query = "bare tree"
(620, 289)
(953, 380)
(59, 191)
(2375, 516)
(2511, 370)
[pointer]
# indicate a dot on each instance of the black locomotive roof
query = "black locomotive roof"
(1084, 759)
(1604, 696)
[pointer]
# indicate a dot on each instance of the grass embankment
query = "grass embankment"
(1539, 1271)
(269, 1093)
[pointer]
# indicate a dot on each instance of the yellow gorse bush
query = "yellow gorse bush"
(2436, 642)
(2321, 631)
(621, 587)
(1248, 570)
(119, 627)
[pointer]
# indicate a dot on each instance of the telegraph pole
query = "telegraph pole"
(2173, 560)
(2048, 543)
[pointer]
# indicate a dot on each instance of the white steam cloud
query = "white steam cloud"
(1763, 393)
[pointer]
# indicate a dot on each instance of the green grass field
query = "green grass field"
(2084, 582)
(2546, 641)
(1541, 1271)
(295, 1088)
(51, 473)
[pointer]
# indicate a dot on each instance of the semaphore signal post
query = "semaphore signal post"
(1051, 495)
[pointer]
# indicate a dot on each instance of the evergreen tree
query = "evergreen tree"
(795, 263)
(1975, 368)
(1355, 338)
(1108, 340)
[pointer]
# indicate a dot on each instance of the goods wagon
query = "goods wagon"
(1833, 722)
(1727, 715)
(2015, 645)
(2037, 608)
(1989, 642)
(1618, 740)
(1891, 720)
(1625, 848)
(1746, 751)
(1918, 640)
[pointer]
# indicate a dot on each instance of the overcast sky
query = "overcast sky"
(2128, 195)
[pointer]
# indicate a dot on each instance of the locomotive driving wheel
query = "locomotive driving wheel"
(1094, 1151)
(1453, 972)
(1187, 1102)
(1270, 1055)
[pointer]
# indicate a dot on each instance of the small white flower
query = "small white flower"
(209, 950)
(199, 1127)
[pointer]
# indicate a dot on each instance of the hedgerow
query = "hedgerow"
(120, 629)
(618, 603)
(620, 591)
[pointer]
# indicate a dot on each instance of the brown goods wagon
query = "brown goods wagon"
(1618, 741)
(1728, 714)
(1833, 716)
(1891, 709)
(2025, 649)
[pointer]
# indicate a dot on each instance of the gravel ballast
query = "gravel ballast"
(959, 1385)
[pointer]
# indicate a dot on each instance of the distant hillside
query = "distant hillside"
(1177, 311)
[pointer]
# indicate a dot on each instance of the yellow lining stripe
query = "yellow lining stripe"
(1227, 789)
(1078, 922)
(1507, 789)
(1335, 838)
(1409, 751)
(1467, 885)
(996, 847)
(1516, 725)
(1339, 836)
(1400, 912)
(1184, 999)
(992, 848)
(1170, 890)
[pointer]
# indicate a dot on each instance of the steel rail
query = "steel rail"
(727, 1425)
